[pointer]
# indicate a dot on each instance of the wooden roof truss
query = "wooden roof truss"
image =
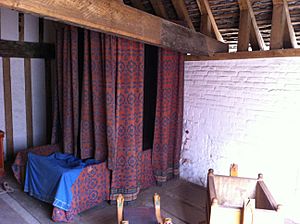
(199, 27)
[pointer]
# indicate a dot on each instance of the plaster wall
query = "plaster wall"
(10, 31)
(245, 112)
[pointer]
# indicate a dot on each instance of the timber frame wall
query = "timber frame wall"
(27, 51)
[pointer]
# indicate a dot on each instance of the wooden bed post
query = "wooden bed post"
(156, 199)
(120, 207)
(2, 172)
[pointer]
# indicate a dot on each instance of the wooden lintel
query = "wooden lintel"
(116, 18)
(182, 12)
(256, 37)
(246, 55)
(159, 8)
(205, 10)
(20, 49)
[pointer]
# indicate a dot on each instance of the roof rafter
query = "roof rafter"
(138, 4)
(207, 20)
(248, 29)
(182, 12)
(159, 8)
(116, 18)
(282, 31)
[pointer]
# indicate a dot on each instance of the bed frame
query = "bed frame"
(239, 200)
(90, 188)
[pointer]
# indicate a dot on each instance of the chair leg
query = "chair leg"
(156, 198)
(120, 207)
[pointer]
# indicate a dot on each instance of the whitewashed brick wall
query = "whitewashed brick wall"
(245, 112)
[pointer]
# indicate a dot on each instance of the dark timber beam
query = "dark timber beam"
(183, 13)
(138, 4)
(208, 20)
(282, 32)
(117, 18)
(248, 28)
(20, 49)
(159, 8)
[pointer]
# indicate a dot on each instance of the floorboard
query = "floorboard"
(182, 201)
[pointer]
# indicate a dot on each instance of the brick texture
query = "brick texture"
(245, 112)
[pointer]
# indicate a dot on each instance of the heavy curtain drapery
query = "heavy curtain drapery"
(66, 91)
(98, 109)
(93, 123)
(169, 116)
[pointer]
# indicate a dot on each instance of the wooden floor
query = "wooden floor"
(180, 200)
(184, 202)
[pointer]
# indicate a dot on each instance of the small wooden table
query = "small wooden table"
(2, 172)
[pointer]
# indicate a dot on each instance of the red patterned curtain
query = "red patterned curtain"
(93, 128)
(125, 88)
(169, 116)
(66, 92)
(110, 122)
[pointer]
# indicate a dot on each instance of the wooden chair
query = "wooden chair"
(145, 215)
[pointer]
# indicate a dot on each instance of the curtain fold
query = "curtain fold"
(169, 116)
(93, 128)
(66, 92)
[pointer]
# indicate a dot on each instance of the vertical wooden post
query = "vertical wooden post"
(48, 85)
(244, 31)
(28, 101)
(8, 108)
(48, 99)
(28, 88)
(1, 154)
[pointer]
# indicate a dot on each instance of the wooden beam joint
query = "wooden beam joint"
(208, 21)
(282, 31)
(251, 34)
(116, 18)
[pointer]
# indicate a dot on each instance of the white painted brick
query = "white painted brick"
(247, 112)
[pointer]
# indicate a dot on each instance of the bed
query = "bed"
(90, 188)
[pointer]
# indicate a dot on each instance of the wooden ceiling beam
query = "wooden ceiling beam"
(248, 28)
(183, 13)
(116, 18)
(159, 8)
(247, 54)
(207, 20)
(282, 30)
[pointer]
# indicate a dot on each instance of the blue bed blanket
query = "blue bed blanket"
(50, 178)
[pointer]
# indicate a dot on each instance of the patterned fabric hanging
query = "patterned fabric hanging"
(125, 94)
(66, 94)
(110, 122)
(93, 127)
(169, 116)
